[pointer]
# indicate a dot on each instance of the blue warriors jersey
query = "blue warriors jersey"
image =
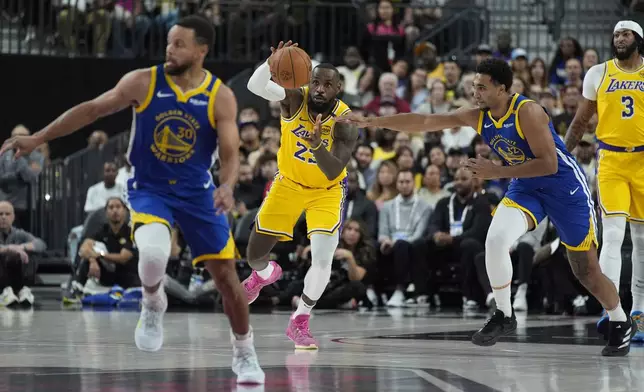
(174, 136)
(506, 139)
(564, 196)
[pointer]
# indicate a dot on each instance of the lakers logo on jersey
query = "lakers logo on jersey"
(175, 136)
(508, 150)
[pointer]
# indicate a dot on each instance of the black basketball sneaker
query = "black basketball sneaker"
(498, 325)
(619, 338)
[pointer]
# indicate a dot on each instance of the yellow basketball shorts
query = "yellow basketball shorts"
(285, 202)
(620, 180)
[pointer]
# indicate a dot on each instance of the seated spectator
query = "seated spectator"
(386, 138)
(426, 57)
(353, 100)
(265, 170)
(129, 18)
(269, 142)
(415, 90)
(453, 73)
(459, 138)
(538, 79)
(591, 57)
(15, 247)
(17, 176)
(98, 194)
(466, 92)
(574, 73)
(97, 140)
(519, 87)
(108, 255)
(75, 15)
(387, 85)
(250, 114)
(586, 157)
(384, 188)
(400, 68)
(568, 48)
(570, 97)
(249, 135)
(353, 67)
(482, 52)
(363, 156)
(456, 230)
(247, 192)
(358, 207)
(520, 64)
(432, 191)
(402, 222)
(352, 272)
(503, 45)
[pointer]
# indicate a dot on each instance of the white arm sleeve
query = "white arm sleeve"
(260, 84)
(592, 80)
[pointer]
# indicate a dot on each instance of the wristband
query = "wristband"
(318, 147)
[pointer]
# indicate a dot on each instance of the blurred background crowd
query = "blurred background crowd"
(394, 57)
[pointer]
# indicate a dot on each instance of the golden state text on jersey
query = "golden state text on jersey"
(174, 136)
(295, 159)
(620, 106)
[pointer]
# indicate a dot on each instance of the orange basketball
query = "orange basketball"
(291, 67)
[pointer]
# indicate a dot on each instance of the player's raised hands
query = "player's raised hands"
(482, 168)
(355, 119)
(23, 145)
(315, 138)
(280, 46)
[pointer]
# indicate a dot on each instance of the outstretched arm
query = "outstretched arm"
(333, 162)
(414, 122)
(579, 124)
(130, 90)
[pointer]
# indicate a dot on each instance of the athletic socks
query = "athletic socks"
(266, 272)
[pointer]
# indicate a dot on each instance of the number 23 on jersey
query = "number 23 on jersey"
(302, 149)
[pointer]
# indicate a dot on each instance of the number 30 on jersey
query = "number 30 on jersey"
(629, 106)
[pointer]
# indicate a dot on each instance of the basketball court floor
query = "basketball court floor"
(379, 351)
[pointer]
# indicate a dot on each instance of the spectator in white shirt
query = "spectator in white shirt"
(98, 194)
(459, 138)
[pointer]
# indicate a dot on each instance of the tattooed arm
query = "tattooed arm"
(333, 162)
(579, 124)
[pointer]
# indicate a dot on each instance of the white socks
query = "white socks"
(610, 257)
(637, 282)
(266, 272)
(617, 314)
(302, 308)
(507, 226)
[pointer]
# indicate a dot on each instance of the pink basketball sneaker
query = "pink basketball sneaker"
(254, 283)
(298, 331)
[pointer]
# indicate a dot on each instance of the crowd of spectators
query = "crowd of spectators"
(415, 222)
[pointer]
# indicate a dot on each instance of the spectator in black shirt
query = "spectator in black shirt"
(570, 98)
(108, 255)
(359, 207)
(457, 230)
(248, 194)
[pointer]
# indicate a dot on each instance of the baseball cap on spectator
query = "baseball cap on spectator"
(484, 49)
(518, 52)
(423, 46)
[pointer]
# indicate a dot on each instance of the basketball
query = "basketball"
(291, 67)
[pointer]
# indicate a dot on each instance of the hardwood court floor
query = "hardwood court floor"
(380, 351)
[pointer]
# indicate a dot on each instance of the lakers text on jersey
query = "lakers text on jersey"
(300, 185)
(171, 150)
(620, 134)
(564, 196)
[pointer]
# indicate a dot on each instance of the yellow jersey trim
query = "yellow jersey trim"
(507, 114)
(588, 241)
(229, 252)
(211, 103)
(511, 203)
(516, 118)
(151, 88)
(299, 109)
(625, 71)
(479, 127)
(329, 116)
(601, 82)
(184, 96)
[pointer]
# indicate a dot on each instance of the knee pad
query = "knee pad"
(153, 243)
(507, 226)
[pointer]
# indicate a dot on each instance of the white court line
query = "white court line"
(435, 381)
(373, 332)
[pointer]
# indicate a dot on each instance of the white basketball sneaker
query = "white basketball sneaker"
(245, 362)
(148, 335)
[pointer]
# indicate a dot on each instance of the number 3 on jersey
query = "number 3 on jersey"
(628, 103)
(303, 148)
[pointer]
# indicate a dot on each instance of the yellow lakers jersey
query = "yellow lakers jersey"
(295, 160)
(620, 106)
